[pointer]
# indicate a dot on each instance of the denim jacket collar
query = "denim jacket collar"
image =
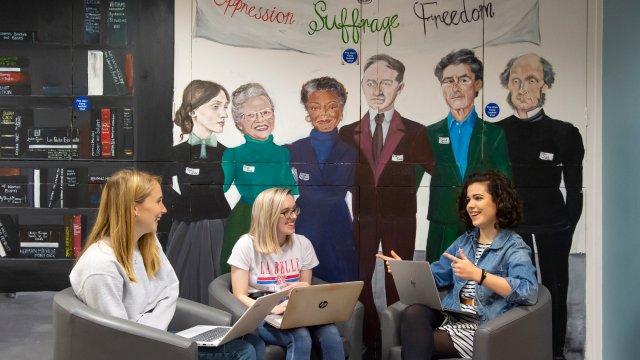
(498, 242)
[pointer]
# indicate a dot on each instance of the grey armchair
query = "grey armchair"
(221, 297)
(522, 333)
(81, 332)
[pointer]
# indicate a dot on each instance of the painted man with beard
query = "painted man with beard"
(543, 152)
(462, 144)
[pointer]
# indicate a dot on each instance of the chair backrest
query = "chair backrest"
(81, 332)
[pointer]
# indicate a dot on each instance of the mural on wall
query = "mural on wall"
(463, 144)
(254, 166)
(324, 167)
(196, 202)
(369, 177)
(317, 26)
(384, 203)
(543, 152)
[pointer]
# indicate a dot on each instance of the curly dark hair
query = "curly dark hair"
(503, 193)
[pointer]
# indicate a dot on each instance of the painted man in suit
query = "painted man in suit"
(543, 152)
(390, 148)
(462, 144)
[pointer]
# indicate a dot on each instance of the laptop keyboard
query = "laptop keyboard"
(212, 335)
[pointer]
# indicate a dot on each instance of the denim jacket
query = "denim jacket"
(508, 256)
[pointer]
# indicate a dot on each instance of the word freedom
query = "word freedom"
(451, 17)
(259, 13)
(350, 28)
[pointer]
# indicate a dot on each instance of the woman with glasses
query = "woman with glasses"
(324, 167)
(197, 204)
(254, 166)
(272, 257)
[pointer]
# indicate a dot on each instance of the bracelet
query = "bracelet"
(483, 276)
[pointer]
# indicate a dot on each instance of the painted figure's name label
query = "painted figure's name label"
(428, 13)
(272, 15)
(350, 24)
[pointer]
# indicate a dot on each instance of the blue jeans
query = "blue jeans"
(298, 341)
(248, 347)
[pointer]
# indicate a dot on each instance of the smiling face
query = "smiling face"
(258, 119)
(480, 206)
(459, 88)
(210, 117)
(526, 84)
(380, 86)
(325, 110)
(286, 223)
(149, 212)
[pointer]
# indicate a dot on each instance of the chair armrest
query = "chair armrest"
(523, 333)
(221, 297)
(84, 333)
(351, 332)
(390, 327)
(190, 313)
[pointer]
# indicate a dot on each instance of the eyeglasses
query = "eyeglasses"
(265, 114)
(290, 212)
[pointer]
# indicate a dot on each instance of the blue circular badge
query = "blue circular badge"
(81, 103)
(492, 110)
(350, 56)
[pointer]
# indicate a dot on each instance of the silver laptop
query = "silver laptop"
(416, 285)
(208, 335)
(318, 304)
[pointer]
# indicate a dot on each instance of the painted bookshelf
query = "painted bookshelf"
(85, 89)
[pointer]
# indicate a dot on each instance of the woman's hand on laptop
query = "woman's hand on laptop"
(386, 259)
(280, 308)
(295, 285)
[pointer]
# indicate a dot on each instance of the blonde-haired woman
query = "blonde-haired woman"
(257, 268)
(122, 270)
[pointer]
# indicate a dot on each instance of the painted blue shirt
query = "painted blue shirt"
(460, 135)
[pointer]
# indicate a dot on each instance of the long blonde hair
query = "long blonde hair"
(116, 220)
(264, 220)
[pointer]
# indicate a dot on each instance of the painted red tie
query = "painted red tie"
(377, 138)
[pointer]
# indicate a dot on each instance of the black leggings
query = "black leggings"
(419, 338)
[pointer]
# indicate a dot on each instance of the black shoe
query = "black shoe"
(559, 357)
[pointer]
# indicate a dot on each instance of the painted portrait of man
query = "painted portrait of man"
(544, 153)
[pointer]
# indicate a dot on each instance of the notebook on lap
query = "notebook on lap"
(416, 285)
(318, 304)
(208, 335)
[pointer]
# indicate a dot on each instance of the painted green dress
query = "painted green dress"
(254, 166)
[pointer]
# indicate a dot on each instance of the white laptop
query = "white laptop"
(208, 335)
(318, 304)
(416, 285)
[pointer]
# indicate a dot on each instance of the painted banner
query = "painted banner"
(321, 26)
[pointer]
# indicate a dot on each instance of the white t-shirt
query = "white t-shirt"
(272, 272)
